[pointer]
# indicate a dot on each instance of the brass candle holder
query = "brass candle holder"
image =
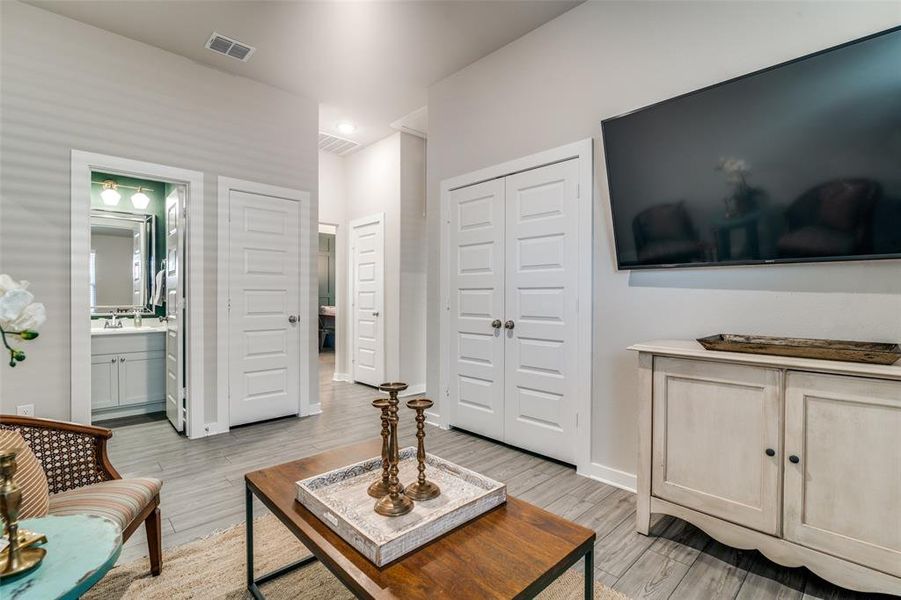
(14, 559)
(423, 489)
(380, 488)
(394, 503)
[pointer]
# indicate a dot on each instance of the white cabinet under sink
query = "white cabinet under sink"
(798, 458)
(128, 374)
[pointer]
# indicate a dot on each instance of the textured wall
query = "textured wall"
(555, 85)
(66, 85)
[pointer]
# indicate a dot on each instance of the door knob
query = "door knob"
(375, 313)
(508, 325)
(496, 323)
(794, 459)
(292, 318)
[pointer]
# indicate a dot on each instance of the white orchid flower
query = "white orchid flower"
(20, 315)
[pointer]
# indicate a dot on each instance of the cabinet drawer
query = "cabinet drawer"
(843, 495)
(713, 425)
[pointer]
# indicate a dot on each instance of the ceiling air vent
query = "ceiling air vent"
(333, 143)
(229, 47)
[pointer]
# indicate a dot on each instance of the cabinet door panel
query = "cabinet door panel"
(843, 497)
(104, 381)
(712, 425)
(142, 378)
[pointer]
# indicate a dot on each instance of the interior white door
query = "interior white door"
(476, 306)
(367, 300)
(264, 289)
(542, 309)
(175, 307)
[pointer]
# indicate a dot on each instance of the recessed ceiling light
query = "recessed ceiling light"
(346, 127)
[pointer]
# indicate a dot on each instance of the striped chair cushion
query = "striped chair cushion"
(120, 499)
(30, 477)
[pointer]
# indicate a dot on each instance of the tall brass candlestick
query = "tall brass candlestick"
(423, 489)
(14, 559)
(395, 503)
(379, 488)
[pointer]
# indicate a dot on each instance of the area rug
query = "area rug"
(213, 568)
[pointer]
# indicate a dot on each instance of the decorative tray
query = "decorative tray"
(339, 499)
(862, 352)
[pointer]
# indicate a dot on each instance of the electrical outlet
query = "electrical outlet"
(25, 410)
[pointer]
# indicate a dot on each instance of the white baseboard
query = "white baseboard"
(413, 390)
(315, 409)
(215, 428)
(342, 377)
(610, 476)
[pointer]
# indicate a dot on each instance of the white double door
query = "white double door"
(514, 269)
(264, 305)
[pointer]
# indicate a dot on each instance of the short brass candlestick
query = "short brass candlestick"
(395, 503)
(423, 489)
(379, 488)
(14, 559)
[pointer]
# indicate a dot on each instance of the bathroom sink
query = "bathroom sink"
(128, 327)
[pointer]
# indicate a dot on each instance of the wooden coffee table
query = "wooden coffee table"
(513, 551)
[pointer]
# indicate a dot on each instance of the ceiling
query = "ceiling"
(367, 62)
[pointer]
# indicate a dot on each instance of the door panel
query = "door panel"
(175, 307)
(712, 425)
(142, 377)
(104, 381)
(368, 265)
(264, 286)
(843, 496)
(542, 267)
(476, 300)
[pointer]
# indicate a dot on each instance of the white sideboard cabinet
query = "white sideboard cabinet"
(798, 458)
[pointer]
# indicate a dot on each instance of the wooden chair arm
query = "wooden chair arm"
(71, 454)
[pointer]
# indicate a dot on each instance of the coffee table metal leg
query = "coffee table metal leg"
(254, 583)
(589, 574)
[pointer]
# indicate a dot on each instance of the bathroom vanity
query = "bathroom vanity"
(128, 369)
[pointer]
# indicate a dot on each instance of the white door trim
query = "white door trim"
(308, 364)
(583, 151)
(82, 163)
(351, 290)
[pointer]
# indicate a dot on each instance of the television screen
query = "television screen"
(798, 162)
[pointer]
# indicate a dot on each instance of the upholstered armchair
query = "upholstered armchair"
(82, 480)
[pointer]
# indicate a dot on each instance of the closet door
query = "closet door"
(477, 308)
(542, 267)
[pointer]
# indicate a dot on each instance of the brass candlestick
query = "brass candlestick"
(422, 489)
(379, 488)
(14, 559)
(395, 503)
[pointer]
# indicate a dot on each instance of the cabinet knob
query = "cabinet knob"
(112, 360)
(508, 325)
(121, 359)
(496, 323)
(770, 452)
(794, 459)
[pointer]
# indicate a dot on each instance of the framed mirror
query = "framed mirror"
(121, 262)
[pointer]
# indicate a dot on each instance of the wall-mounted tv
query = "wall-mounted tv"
(797, 162)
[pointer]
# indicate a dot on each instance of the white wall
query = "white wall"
(388, 177)
(67, 85)
(333, 210)
(555, 85)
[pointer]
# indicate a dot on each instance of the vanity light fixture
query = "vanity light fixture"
(346, 127)
(110, 194)
(140, 200)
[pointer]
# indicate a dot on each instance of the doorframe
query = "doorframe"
(352, 289)
(583, 151)
(308, 369)
(82, 164)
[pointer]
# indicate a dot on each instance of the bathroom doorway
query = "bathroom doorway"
(328, 317)
(136, 292)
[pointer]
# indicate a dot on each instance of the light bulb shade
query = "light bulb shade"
(140, 200)
(110, 195)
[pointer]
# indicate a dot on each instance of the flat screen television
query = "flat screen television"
(797, 162)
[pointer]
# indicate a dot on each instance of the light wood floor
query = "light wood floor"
(203, 493)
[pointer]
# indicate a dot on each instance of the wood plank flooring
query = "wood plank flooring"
(203, 493)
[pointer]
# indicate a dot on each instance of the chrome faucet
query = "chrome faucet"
(113, 322)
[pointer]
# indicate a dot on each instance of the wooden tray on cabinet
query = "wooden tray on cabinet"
(876, 353)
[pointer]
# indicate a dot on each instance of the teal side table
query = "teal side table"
(80, 551)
